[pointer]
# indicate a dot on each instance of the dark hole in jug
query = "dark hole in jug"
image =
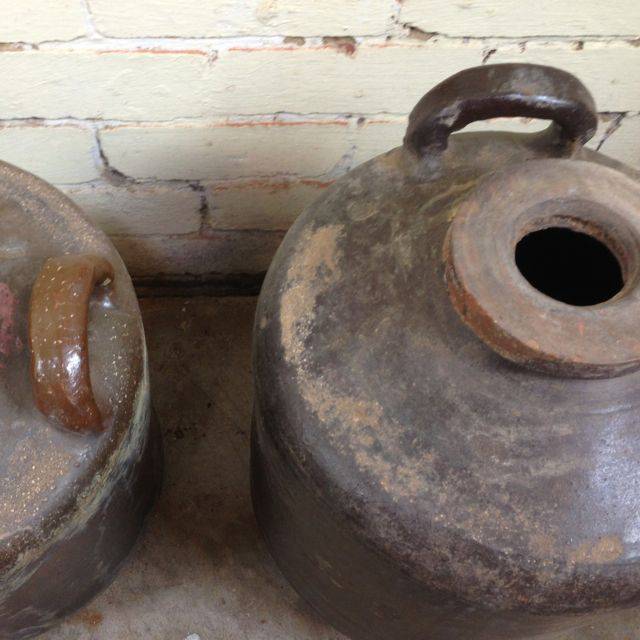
(569, 266)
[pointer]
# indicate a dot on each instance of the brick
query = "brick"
(204, 18)
(624, 143)
(39, 20)
(139, 209)
(198, 152)
(307, 149)
(259, 205)
(231, 252)
(63, 154)
(377, 136)
(83, 83)
(153, 85)
(378, 78)
(270, 80)
(509, 18)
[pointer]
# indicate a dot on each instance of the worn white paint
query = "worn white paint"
(201, 152)
(40, 20)
(59, 154)
(82, 83)
(514, 18)
(199, 18)
(624, 143)
(139, 209)
(258, 204)
(159, 85)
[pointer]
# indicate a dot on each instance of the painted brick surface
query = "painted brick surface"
(61, 154)
(98, 84)
(201, 152)
(131, 209)
(152, 85)
(39, 20)
(320, 150)
(201, 18)
(512, 18)
(391, 78)
(377, 78)
(195, 131)
(259, 204)
(624, 143)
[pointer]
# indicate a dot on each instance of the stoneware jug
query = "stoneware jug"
(79, 461)
(446, 440)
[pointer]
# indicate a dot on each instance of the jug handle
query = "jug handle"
(502, 90)
(58, 338)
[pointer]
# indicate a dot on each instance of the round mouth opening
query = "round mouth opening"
(569, 266)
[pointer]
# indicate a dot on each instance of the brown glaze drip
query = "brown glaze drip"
(10, 343)
(58, 317)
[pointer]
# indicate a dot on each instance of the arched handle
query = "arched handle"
(501, 90)
(58, 318)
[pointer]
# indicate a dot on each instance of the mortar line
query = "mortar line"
(89, 21)
(281, 118)
(97, 42)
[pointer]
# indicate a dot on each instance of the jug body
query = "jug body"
(444, 445)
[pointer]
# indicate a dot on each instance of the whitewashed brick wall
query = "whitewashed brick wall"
(194, 131)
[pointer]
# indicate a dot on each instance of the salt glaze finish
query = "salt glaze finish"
(440, 450)
(76, 479)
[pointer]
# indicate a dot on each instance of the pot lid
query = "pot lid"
(72, 372)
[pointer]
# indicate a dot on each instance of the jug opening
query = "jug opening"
(570, 266)
(542, 263)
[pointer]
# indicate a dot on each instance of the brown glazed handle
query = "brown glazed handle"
(58, 318)
(501, 90)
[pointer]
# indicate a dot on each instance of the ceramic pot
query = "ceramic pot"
(447, 396)
(80, 461)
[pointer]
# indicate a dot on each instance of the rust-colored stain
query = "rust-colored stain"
(12, 46)
(389, 44)
(189, 52)
(284, 123)
(342, 44)
(10, 343)
(347, 45)
(90, 618)
(272, 48)
(600, 551)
